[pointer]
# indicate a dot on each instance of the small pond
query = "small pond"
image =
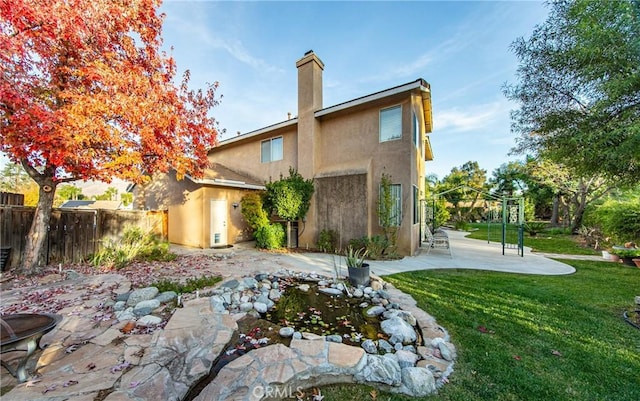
(304, 307)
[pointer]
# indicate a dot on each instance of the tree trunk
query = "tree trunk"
(38, 231)
(555, 211)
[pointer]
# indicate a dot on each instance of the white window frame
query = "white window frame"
(394, 125)
(273, 155)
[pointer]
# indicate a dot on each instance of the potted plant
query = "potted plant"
(626, 254)
(358, 270)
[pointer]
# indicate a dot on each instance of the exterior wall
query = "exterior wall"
(188, 206)
(237, 229)
(244, 156)
(343, 205)
(350, 143)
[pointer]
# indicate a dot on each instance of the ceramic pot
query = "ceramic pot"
(359, 275)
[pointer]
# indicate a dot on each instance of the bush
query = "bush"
(461, 225)
(619, 220)
(534, 227)
(191, 285)
(376, 246)
(270, 236)
(253, 211)
(136, 244)
(328, 240)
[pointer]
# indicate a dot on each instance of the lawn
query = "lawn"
(524, 337)
(548, 240)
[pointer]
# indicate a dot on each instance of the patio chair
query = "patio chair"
(439, 239)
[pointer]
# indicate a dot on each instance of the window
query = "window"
(271, 150)
(395, 214)
(391, 123)
(416, 130)
(416, 209)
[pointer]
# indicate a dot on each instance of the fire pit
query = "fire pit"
(22, 332)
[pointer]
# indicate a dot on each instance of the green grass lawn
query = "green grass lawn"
(546, 241)
(549, 337)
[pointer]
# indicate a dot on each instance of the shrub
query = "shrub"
(619, 220)
(375, 246)
(534, 227)
(253, 211)
(191, 285)
(136, 244)
(270, 236)
(328, 240)
(461, 225)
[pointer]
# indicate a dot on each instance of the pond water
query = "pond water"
(323, 314)
(310, 311)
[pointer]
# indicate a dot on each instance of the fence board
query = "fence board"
(73, 235)
(9, 198)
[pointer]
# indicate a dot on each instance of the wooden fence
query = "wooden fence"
(9, 198)
(73, 235)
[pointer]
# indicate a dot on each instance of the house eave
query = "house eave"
(273, 127)
(225, 183)
(418, 84)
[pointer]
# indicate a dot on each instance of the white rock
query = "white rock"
(148, 320)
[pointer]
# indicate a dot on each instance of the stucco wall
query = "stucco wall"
(244, 156)
(188, 205)
(342, 206)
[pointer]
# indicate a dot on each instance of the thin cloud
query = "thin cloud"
(199, 31)
(473, 118)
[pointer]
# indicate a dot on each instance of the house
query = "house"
(345, 148)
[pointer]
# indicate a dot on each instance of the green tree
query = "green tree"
(463, 189)
(111, 193)
(575, 193)
(579, 89)
(14, 179)
(253, 211)
(289, 198)
(67, 192)
(126, 198)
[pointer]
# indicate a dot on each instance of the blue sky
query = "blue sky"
(460, 47)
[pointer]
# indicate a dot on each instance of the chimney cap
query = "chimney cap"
(309, 52)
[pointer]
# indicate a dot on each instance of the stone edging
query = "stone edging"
(277, 371)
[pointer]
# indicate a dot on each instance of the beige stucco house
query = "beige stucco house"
(345, 148)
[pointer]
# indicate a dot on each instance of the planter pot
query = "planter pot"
(637, 262)
(359, 275)
(628, 261)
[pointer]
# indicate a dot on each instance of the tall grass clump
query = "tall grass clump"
(135, 245)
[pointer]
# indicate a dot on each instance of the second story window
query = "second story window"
(391, 123)
(271, 150)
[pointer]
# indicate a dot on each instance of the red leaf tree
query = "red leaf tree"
(86, 93)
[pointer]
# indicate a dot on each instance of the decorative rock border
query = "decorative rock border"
(277, 371)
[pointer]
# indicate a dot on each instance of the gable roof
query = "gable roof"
(219, 175)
